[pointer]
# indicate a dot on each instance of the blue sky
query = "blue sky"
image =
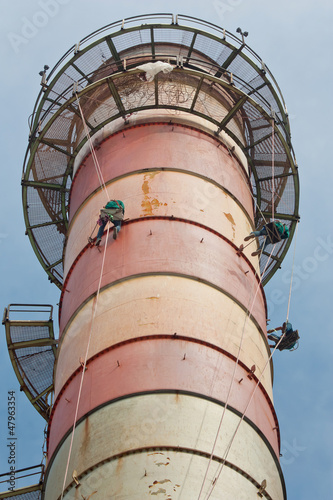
(295, 40)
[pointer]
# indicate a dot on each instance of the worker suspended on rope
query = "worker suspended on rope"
(112, 212)
(289, 337)
(273, 231)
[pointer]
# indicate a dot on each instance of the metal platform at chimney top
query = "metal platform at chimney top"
(216, 77)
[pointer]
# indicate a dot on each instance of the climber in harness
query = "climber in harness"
(289, 337)
(273, 231)
(112, 212)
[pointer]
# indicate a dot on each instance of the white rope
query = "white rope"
(232, 380)
(247, 179)
(273, 173)
(102, 184)
(85, 364)
(220, 467)
(292, 273)
(93, 153)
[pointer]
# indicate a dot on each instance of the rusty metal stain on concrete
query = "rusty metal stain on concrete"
(233, 224)
(119, 465)
(160, 490)
(148, 204)
(147, 178)
(230, 218)
(160, 463)
(145, 186)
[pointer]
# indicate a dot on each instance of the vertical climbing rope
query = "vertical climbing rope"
(273, 167)
(292, 273)
(220, 467)
(84, 365)
(102, 184)
(232, 380)
(262, 274)
(92, 150)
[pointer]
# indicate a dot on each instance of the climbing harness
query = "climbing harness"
(273, 233)
(112, 214)
(287, 341)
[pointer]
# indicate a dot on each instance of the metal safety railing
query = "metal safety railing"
(32, 350)
(32, 492)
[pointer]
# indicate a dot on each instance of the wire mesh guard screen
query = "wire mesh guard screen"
(215, 77)
(32, 350)
(21, 495)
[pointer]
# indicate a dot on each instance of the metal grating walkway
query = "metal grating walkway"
(32, 350)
